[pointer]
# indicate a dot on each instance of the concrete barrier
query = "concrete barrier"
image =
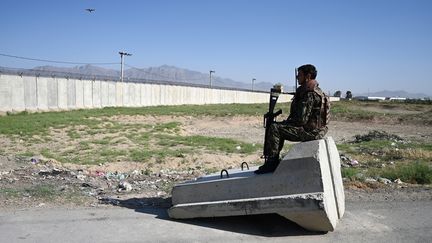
(18, 93)
(305, 188)
(62, 85)
(30, 98)
(45, 93)
(52, 93)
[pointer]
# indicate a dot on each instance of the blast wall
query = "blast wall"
(19, 93)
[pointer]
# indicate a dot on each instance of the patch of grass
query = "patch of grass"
(135, 126)
(118, 140)
(343, 112)
(358, 111)
(73, 134)
(374, 145)
(93, 131)
(142, 138)
(415, 145)
(174, 152)
(84, 145)
(45, 193)
(85, 153)
(140, 155)
(170, 127)
(210, 110)
(388, 150)
(112, 153)
(10, 192)
(71, 158)
(34, 140)
(210, 143)
(37, 191)
(41, 191)
(211, 170)
(103, 141)
(417, 172)
(390, 159)
(351, 173)
(346, 147)
(47, 153)
(26, 154)
(114, 128)
(69, 152)
(25, 124)
(28, 124)
(88, 158)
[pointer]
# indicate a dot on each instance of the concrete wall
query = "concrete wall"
(18, 93)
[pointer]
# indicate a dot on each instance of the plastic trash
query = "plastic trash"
(354, 162)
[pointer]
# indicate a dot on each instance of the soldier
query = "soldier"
(307, 120)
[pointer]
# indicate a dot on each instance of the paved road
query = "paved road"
(363, 222)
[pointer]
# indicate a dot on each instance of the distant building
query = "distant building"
(396, 99)
(361, 98)
(378, 98)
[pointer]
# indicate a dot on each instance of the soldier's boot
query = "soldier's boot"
(269, 165)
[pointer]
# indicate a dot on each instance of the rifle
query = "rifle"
(270, 116)
(295, 80)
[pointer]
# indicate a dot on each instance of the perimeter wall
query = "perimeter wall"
(27, 92)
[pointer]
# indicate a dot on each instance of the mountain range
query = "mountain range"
(162, 73)
(395, 94)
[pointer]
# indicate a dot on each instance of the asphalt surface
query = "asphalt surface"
(363, 222)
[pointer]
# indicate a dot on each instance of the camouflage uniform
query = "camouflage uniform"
(303, 123)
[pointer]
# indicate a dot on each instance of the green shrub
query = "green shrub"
(350, 173)
(418, 172)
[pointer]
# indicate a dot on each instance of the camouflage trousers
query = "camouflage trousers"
(279, 132)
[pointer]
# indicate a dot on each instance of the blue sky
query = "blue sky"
(356, 45)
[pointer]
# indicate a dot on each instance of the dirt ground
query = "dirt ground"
(250, 129)
(46, 182)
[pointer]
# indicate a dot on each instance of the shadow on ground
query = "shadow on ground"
(268, 225)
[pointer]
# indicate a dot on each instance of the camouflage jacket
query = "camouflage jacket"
(306, 108)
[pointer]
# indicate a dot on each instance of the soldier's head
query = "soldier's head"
(308, 69)
(306, 72)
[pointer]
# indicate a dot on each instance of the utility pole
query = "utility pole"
(253, 81)
(211, 71)
(121, 63)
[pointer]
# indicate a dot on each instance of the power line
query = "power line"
(100, 63)
(153, 75)
(52, 61)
